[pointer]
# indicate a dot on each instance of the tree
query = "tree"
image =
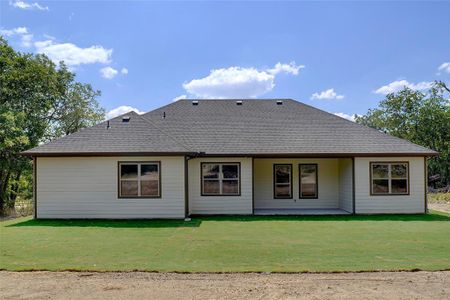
(38, 101)
(12, 141)
(77, 109)
(422, 118)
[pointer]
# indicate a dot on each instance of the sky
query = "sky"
(342, 57)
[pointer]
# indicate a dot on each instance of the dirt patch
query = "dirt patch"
(442, 206)
(74, 285)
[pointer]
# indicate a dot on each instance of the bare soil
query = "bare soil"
(140, 285)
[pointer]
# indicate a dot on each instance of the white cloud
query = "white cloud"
(290, 68)
(14, 31)
(346, 116)
(238, 82)
(445, 67)
(397, 85)
(179, 98)
(328, 95)
(124, 71)
(108, 72)
(25, 5)
(27, 40)
(122, 110)
(70, 53)
(50, 37)
(73, 55)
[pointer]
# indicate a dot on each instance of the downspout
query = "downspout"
(186, 187)
(35, 187)
(253, 185)
(425, 172)
(353, 186)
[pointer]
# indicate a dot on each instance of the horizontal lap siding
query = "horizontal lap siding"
(346, 185)
(216, 205)
(86, 187)
(328, 172)
(412, 203)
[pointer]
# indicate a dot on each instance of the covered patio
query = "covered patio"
(303, 186)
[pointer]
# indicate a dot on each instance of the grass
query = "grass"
(230, 244)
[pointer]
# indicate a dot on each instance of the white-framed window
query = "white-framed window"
(389, 178)
(140, 179)
(282, 181)
(220, 179)
(308, 181)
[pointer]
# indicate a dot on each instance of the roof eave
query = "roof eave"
(321, 155)
(73, 154)
(258, 155)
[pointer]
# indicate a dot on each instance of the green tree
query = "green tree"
(77, 109)
(12, 141)
(38, 101)
(422, 118)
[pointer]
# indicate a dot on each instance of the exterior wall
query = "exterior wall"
(87, 187)
(412, 203)
(216, 205)
(328, 184)
(346, 184)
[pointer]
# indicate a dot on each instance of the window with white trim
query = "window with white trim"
(389, 178)
(139, 179)
(220, 179)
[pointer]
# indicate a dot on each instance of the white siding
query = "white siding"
(214, 205)
(412, 203)
(346, 184)
(86, 187)
(328, 173)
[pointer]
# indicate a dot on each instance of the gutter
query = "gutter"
(204, 154)
(80, 154)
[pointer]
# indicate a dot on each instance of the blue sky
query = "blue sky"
(338, 56)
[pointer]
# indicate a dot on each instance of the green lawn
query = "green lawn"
(228, 244)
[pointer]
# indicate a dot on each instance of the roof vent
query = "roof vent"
(279, 102)
(239, 102)
(125, 119)
(195, 102)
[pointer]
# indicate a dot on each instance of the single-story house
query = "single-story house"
(216, 157)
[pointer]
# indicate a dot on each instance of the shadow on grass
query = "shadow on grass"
(196, 222)
(109, 223)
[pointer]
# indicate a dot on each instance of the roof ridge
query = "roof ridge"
(165, 133)
(153, 110)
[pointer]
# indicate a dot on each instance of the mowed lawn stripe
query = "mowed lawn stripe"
(230, 244)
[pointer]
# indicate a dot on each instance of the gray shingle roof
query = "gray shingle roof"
(136, 136)
(221, 127)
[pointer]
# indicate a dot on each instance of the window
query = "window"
(308, 181)
(139, 180)
(389, 178)
(282, 178)
(220, 179)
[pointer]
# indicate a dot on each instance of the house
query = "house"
(214, 157)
